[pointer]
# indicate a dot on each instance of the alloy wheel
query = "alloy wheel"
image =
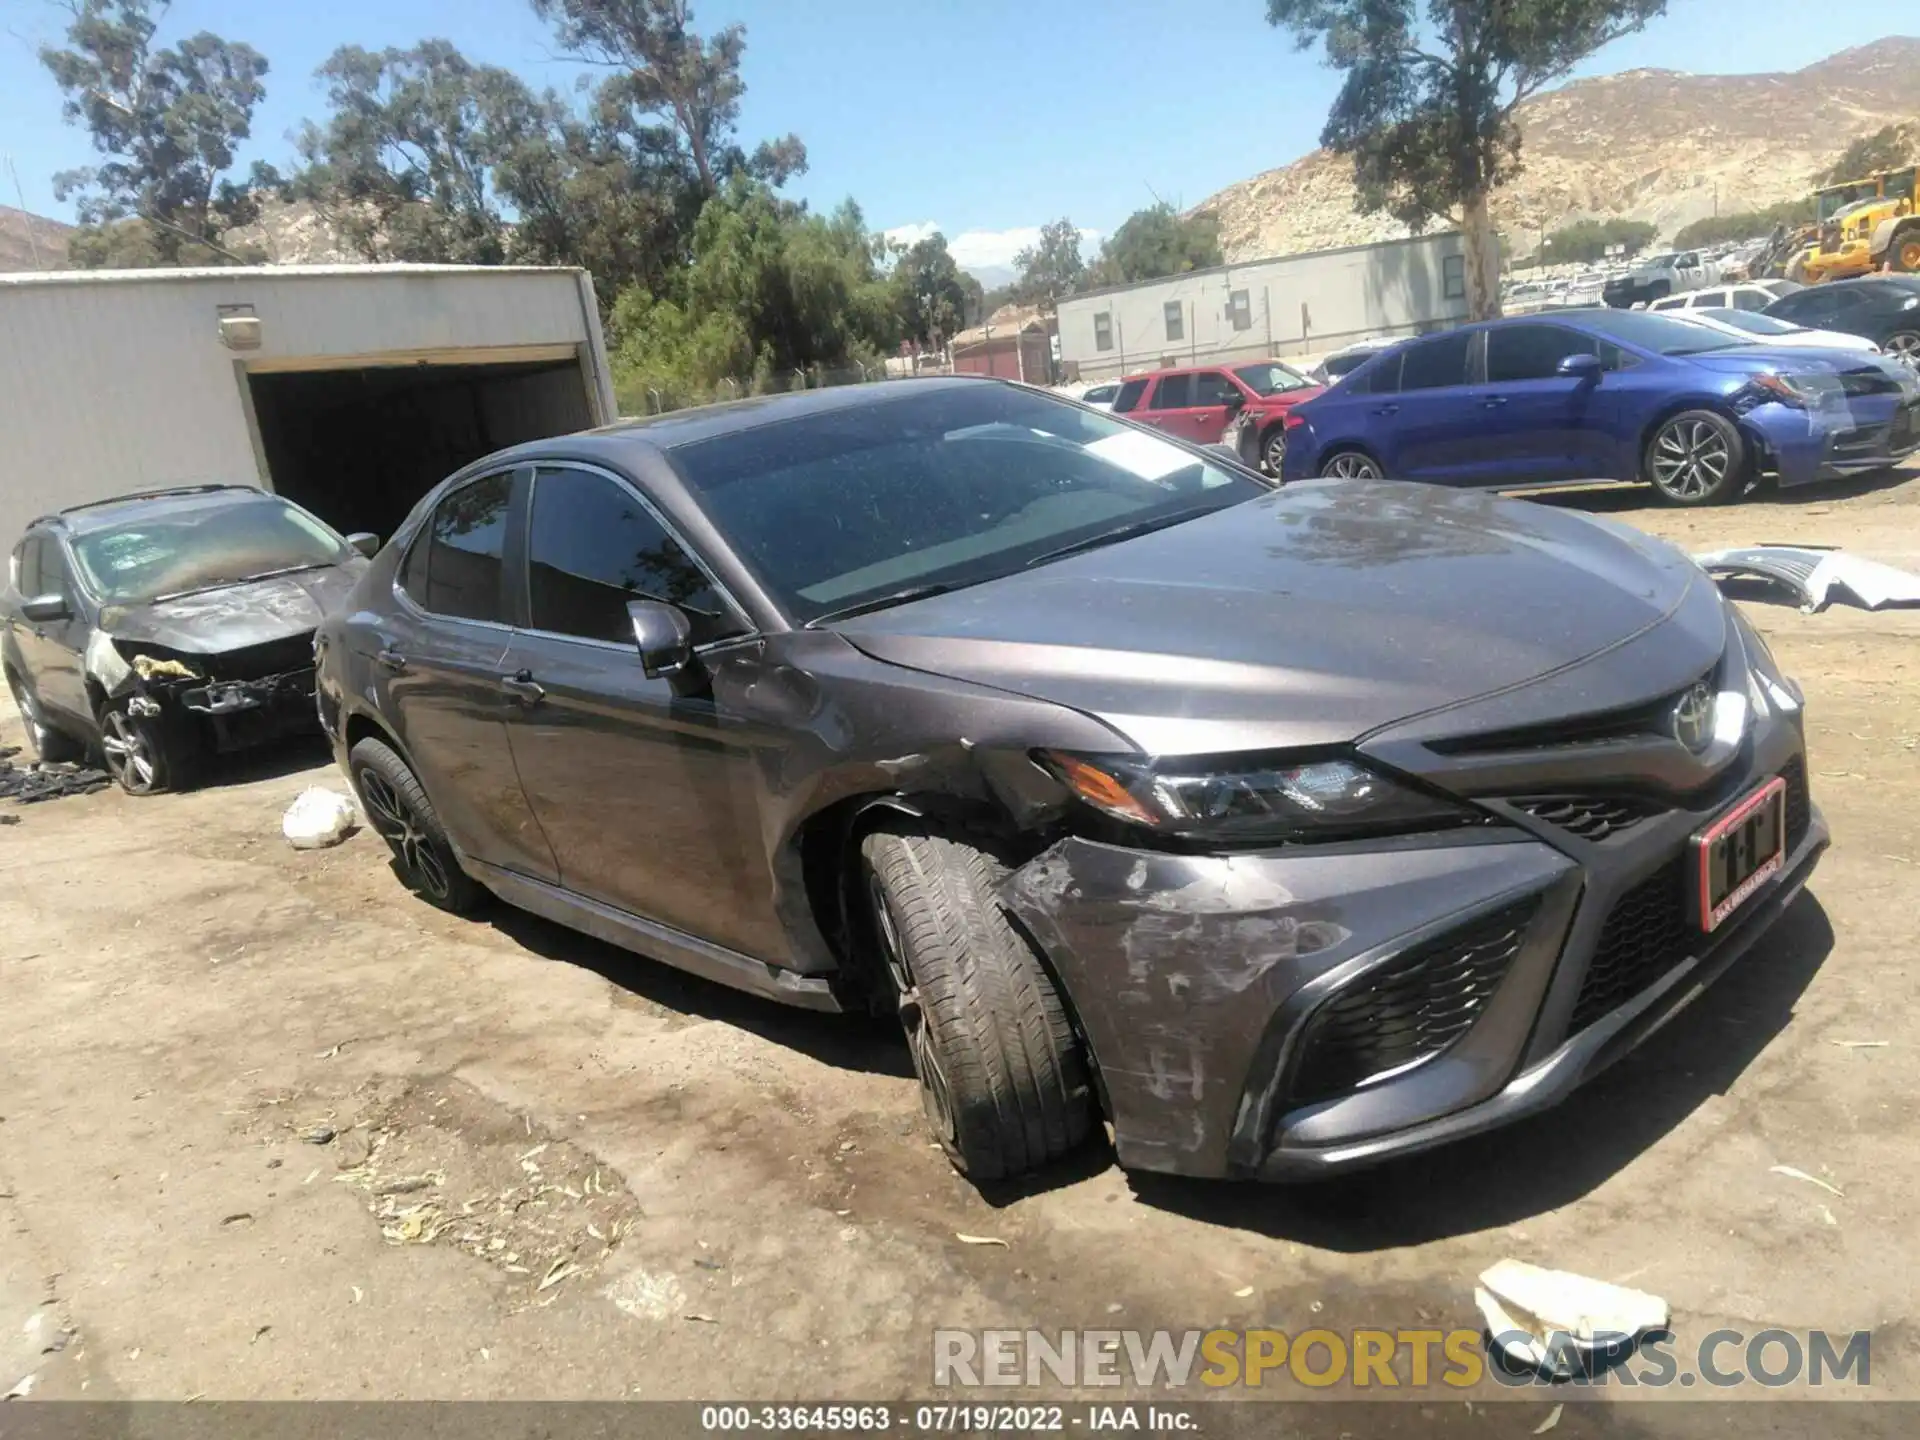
(1352, 467)
(1690, 459)
(1906, 345)
(1276, 451)
(395, 822)
(936, 1096)
(129, 753)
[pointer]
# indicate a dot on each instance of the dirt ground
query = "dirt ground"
(271, 1129)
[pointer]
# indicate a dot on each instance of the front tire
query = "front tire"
(398, 810)
(1273, 450)
(50, 746)
(141, 753)
(1001, 1075)
(1351, 465)
(1695, 458)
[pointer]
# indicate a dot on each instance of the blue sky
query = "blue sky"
(984, 118)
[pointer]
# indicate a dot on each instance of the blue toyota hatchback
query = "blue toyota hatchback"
(1607, 395)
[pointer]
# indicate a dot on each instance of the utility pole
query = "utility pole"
(20, 194)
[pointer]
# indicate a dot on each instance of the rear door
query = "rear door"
(1434, 428)
(1166, 407)
(649, 796)
(441, 672)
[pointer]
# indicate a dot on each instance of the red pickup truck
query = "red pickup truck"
(1199, 404)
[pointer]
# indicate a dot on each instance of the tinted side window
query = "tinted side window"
(1129, 396)
(1384, 378)
(1710, 298)
(1532, 352)
(593, 547)
(1751, 299)
(1433, 363)
(1174, 392)
(454, 567)
(1212, 388)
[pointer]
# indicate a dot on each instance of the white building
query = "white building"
(1293, 305)
(349, 389)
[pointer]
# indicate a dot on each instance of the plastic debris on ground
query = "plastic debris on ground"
(319, 818)
(1816, 574)
(31, 783)
(1556, 1323)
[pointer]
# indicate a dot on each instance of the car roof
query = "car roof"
(679, 428)
(177, 500)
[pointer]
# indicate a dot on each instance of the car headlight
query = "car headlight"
(1256, 801)
(1803, 390)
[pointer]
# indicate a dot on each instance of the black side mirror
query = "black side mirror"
(364, 542)
(1235, 400)
(1580, 367)
(664, 637)
(46, 609)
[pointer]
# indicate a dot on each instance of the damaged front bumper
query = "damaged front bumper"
(239, 713)
(1860, 434)
(1292, 1013)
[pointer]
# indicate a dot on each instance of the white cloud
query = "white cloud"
(985, 249)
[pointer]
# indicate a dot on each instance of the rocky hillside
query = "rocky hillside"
(31, 242)
(1652, 145)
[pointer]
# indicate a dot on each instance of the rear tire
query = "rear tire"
(1001, 1075)
(398, 810)
(50, 746)
(1696, 458)
(1903, 253)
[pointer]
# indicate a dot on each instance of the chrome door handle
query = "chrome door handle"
(1387, 410)
(391, 660)
(1493, 402)
(523, 687)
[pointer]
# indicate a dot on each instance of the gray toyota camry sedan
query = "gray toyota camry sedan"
(1284, 830)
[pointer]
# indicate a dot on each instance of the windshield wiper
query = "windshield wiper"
(1123, 532)
(888, 601)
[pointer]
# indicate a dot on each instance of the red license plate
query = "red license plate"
(1740, 852)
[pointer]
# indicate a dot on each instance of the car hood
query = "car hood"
(1310, 616)
(1753, 359)
(234, 617)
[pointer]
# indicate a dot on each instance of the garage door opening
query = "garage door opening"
(358, 447)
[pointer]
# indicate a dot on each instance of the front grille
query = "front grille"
(1799, 802)
(1410, 1007)
(1650, 930)
(1589, 817)
(1645, 936)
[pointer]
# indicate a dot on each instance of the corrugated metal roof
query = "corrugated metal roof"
(162, 276)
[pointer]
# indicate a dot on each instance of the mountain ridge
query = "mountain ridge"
(1664, 146)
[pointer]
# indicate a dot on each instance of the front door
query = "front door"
(440, 673)
(1550, 426)
(1215, 398)
(55, 650)
(649, 796)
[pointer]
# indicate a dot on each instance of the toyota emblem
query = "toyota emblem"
(1693, 717)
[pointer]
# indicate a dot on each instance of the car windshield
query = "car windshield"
(1271, 379)
(179, 549)
(862, 506)
(1662, 333)
(1752, 321)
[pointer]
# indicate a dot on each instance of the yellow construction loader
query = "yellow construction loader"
(1863, 226)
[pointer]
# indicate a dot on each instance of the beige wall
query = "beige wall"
(109, 384)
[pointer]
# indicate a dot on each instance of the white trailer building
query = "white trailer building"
(1292, 305)
(349, 389)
